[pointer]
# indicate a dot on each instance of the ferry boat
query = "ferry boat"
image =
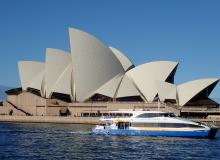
(152, 123)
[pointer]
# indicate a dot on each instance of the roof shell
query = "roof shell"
(145, 75)
(110, 88)
(31, 75)
(58, 69)
(127, 88)
(124, 60)
(188, 90)
(94, 63)
(166, 90)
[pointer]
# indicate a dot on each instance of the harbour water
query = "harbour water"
(65, 141)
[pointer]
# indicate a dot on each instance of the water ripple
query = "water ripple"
(50, 141)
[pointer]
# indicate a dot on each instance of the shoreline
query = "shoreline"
(74, 120)
(50, 119)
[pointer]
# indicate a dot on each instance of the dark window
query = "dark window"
(34, 91)
(123, 125)
(150, 115)
(61, 96)
(99, 97)
(14, 91)
(130, 99)
(165, 125)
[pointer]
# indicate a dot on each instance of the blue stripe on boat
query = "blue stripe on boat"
(197, 133)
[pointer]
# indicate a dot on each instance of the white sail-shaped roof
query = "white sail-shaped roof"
(64, 83)
(127, 88)
(124, 60)
(166, 90)
(188, 90)
(144, 76)
(94, 68)
(31, 75)
(58, 68)
(94, 63)
(110, 88)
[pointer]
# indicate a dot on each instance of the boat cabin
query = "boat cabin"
(123, 125)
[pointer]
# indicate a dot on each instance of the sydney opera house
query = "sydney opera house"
(95, 77)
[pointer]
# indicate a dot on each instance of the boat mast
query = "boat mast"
(158, 104)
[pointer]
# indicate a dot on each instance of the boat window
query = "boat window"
(166, 125)
(167, 115)
(123, 125)
(150, 115)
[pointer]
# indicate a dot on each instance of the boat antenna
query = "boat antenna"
(158, 104)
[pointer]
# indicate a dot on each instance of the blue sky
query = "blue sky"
(187, 31)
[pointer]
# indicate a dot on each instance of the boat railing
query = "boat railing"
(210, 125)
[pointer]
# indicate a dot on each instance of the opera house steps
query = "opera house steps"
(8, 109)
(17, 108)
